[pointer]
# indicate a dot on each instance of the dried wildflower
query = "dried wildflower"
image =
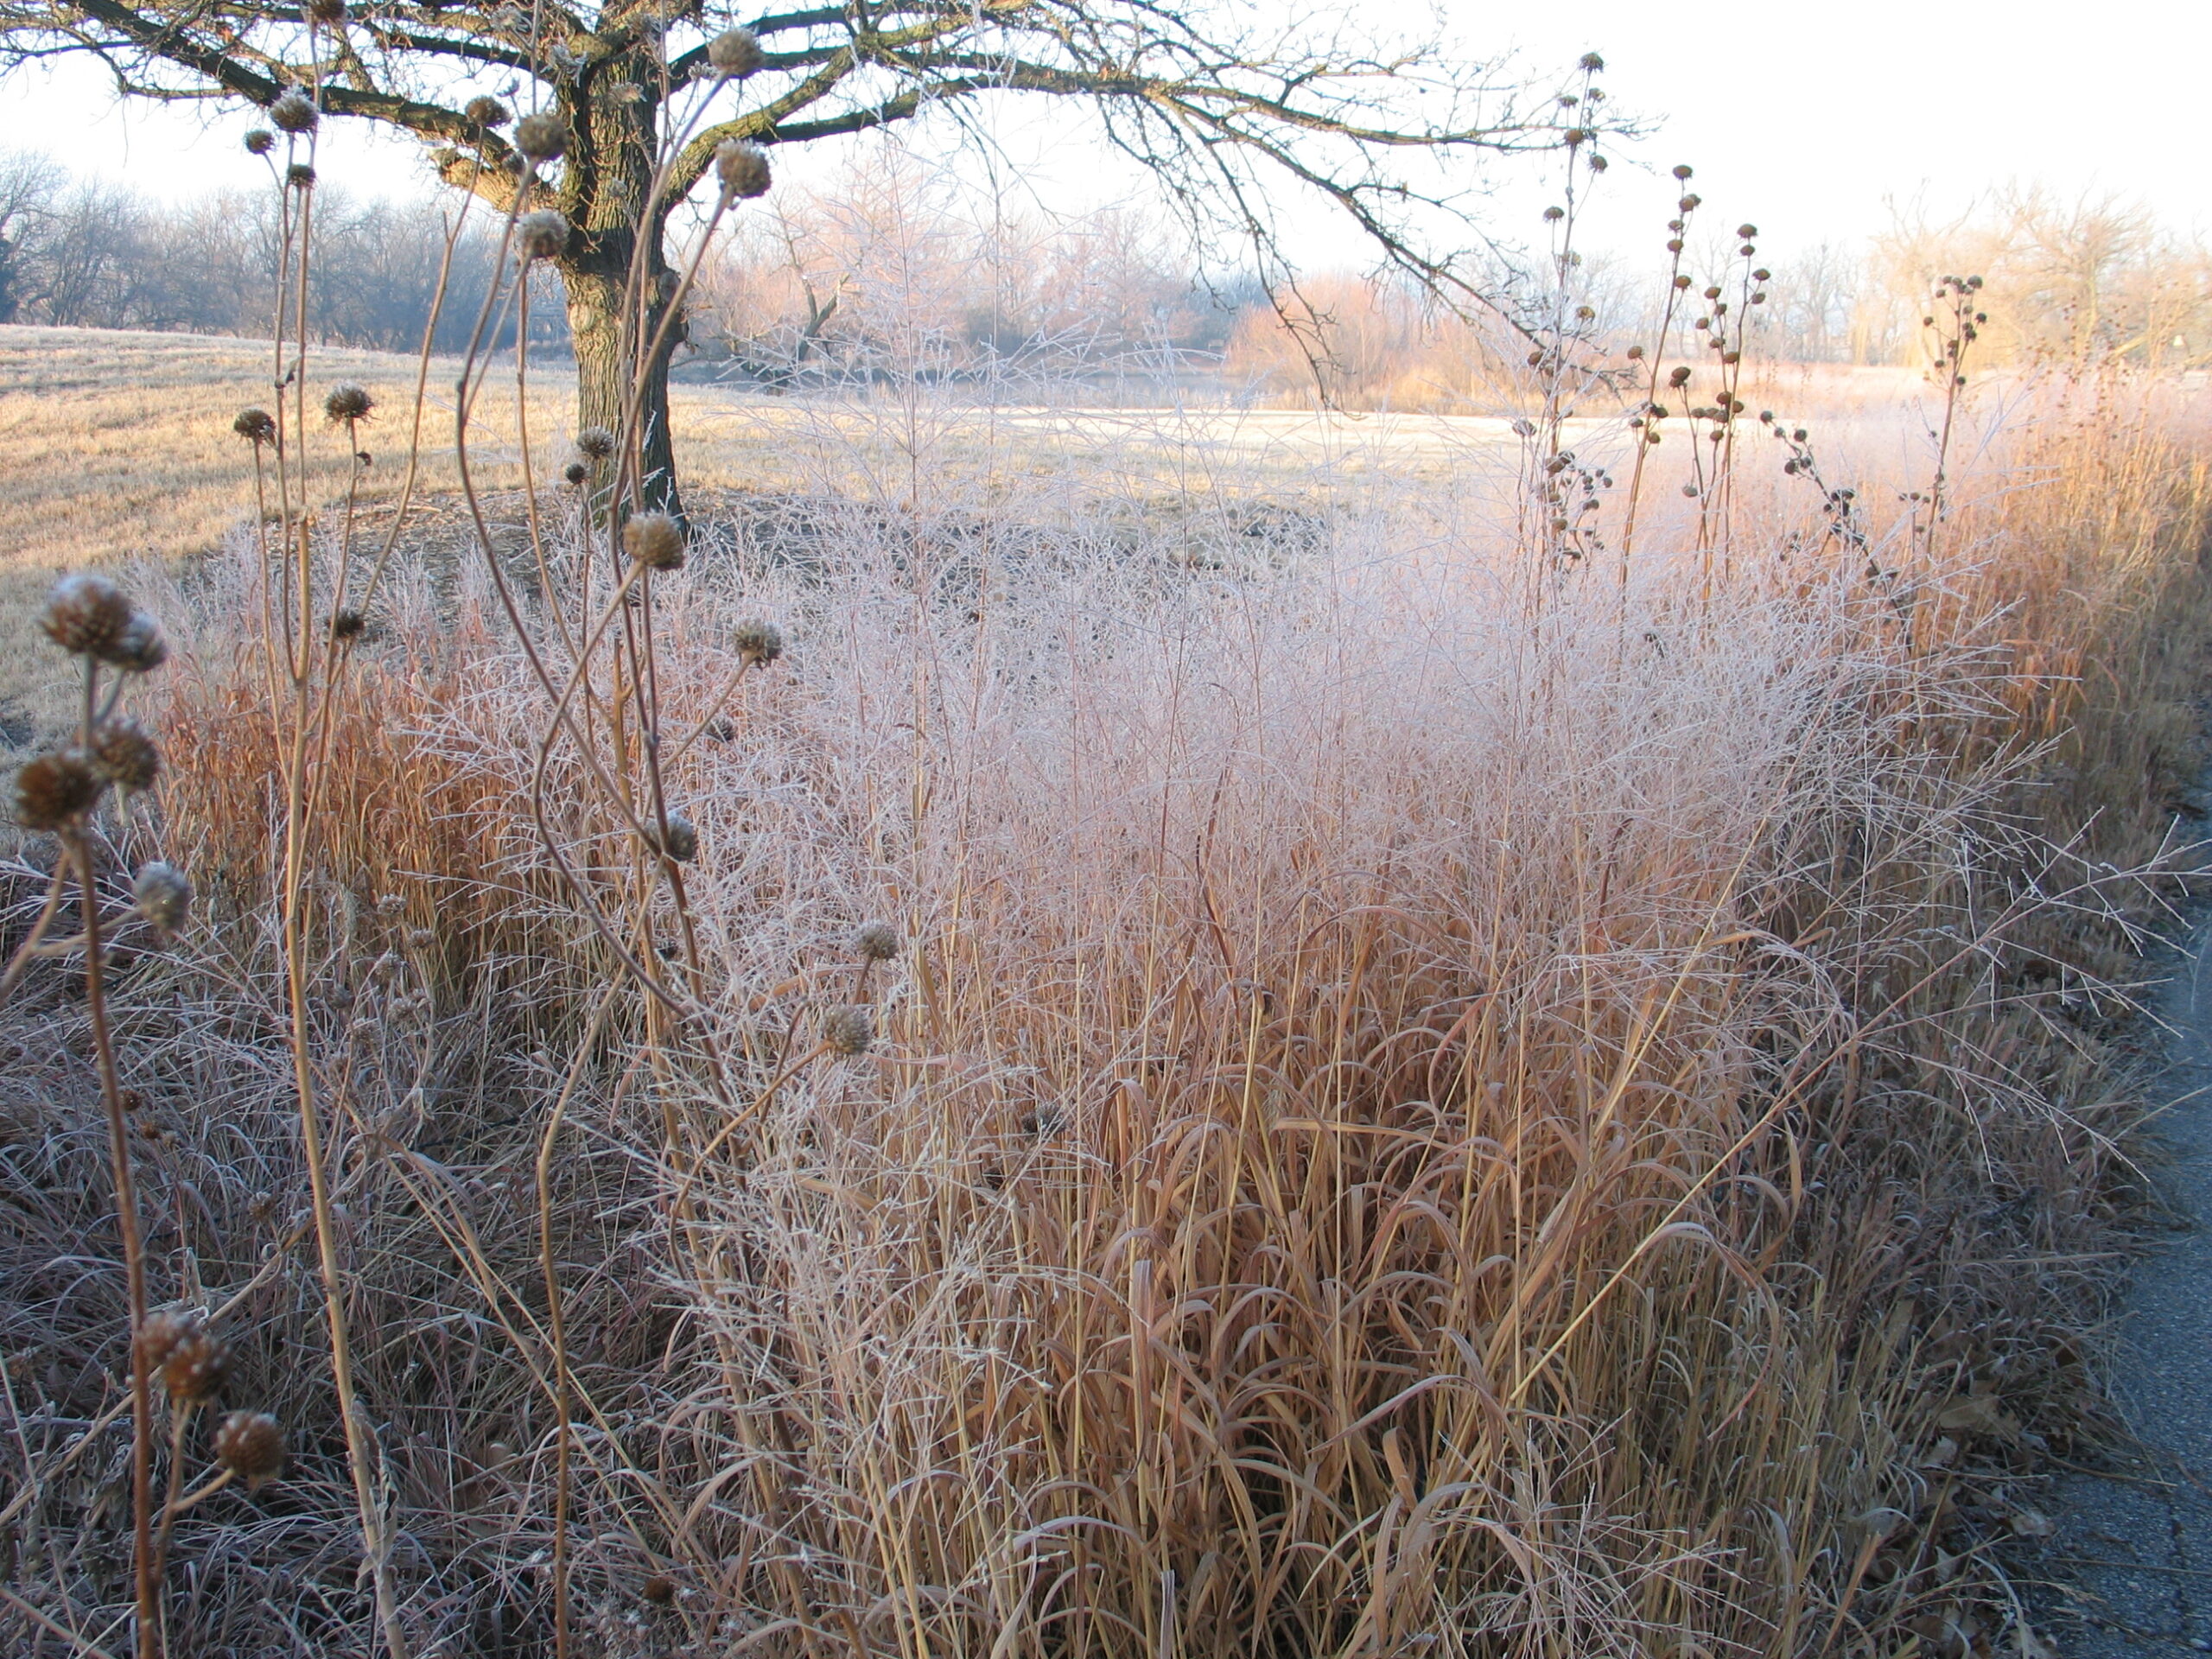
(681, 841)
(260, 141)
(142, 649)
(542, 137)
(251, 1444)
(1634, 354)
(125, 753)
(660, 1589)
(1591, 63)
(348, 402)
(300, 176)
(85, 615)
(595, 442)
(758, 642)
(734, 53)
(1682, 172)
(654, 540)
(328, 13)
(294, 112)
(485, 113)
(348, 623)
(159, 1335)
(196, 1365)
(847, 1030)
(255, 426)
(164, 895)
(541, 235)
(876, 942)
(52, 790)
(575, 472)
(742, 169)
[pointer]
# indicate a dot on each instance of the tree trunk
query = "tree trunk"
(594, 280)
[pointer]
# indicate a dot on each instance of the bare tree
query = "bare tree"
(1217, 98)
(27, 189)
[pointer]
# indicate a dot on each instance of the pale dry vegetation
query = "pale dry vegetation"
(1045, 1034)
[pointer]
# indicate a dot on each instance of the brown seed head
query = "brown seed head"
(142, 649)
(847, 1030)
(255, 426)
(328, 13)
(260, 141)
(1680, 377)
(541, 138)
(159, 1335)
(347, 623)
(486, 112)
(164, 895)
(348, 402)
(682, 841)
(742, 169)
(1634, 354)
(1591, 63)
(734, 53)
(197, 1363)
(1682, 172)
(758, 642)
(596, 442)
(876, 942)
(85, 615)
(541, 235)
(125, 753)
(251, 1444)
(300, 176)
(660, 1589)
(654, 540)
(52, 790)
(294, 112)
(575, 472)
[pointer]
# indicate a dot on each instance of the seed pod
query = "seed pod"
(734, 53)
(1592, 64)
(260, 141)
(159, 1335)
(52, 790)
(1682, 172)
(485, 113)
(349, 401)
(251, 1444)
(300, 176)
(85, 615)
(541, 235)
(255, 426)
(196, 1365)
(329, 13)
(876, 942)
(595, 442)
(542, 137)
(125, 753)
(575, 472)
(742, 169)
(294, 112)
(847, 1030)
(654, 540)
(164, 895)
(681, 843)
(347, 623)
(758, 642)
(141, 650)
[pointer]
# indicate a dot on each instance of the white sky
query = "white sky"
(1806, 116)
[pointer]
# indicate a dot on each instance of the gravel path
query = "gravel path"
(2137, 1545)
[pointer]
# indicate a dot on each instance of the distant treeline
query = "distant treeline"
(88, 254)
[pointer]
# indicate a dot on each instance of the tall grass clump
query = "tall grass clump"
(976, 1069)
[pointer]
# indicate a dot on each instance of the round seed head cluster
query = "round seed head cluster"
(758, 642)
(294, 112)
(734, 53)
(654, 540)
(142, 649)
(299, 175)
(596, 442)
(255, 426)
(847, 1030)
(541, 137)
(164, 895)
(52, 790)
(159, 1335)
(347, 623)
(682, 841)
(260, 141)
(575, 472)
(251, 1444)
(349, 401)
(485, 113)
(541, 235)
(86, 615)
(125, 753)
(876, 942)
(196, 1365)
(742, 167)
(329, 13)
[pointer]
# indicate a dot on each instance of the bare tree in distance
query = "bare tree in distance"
(1218, 100)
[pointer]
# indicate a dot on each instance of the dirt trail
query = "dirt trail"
(2137, 1546)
